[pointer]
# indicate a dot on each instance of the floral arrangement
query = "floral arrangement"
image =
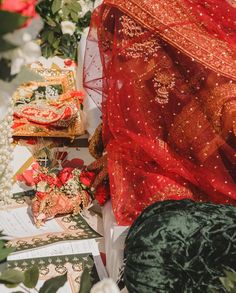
(19, 26)
(65, 21)
(65, 192)
(61, 189)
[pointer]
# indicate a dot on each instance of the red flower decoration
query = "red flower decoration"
(23, 7)
(52, 180)
(87, 178)
(28, 176)
(74, 163)
(39, 177)
(68, 62)
(65, 174)
(102, 194)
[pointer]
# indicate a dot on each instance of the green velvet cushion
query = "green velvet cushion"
(180, 246)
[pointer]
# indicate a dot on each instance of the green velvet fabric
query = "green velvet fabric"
(180, 246)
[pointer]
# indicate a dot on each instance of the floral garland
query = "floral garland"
(19, 25)
(65, 21)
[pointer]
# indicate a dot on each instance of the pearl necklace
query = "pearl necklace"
(6, 155)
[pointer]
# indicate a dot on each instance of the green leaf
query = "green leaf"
(51, 22)
(6, 46)
(12, 277)
(76, 7)
(74, 16)
(56, 43)
(56, 6)
(51, 37)
(65, 11)
(52, 285)
(31, 277)
(10, 21)
(5, 252)
(85, 282)
(11, 285)
(2, 243)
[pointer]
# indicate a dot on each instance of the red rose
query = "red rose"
(87, 178)
(40, 177)
(74, 163)
(51, 180)
(23, 7)
(65, 174)
(102, 194)
(68, 62)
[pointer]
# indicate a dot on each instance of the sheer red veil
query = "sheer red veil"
(164, 75)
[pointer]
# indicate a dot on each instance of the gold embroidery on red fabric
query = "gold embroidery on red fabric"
(172, 190)
(163, 82)
(139, 48)
(130, 28)
(163, 17)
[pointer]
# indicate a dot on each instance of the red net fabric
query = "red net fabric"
(218, 17)
(167, 119)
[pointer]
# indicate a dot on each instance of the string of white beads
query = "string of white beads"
(6, 155)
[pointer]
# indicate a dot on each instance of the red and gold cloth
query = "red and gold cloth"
(168, 82)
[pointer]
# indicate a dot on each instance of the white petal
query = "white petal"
(16, 65)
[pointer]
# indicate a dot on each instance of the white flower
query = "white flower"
(68, 27)
(105, 286)
(42, 186)
(20, 56)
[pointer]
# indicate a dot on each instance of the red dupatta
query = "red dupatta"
(166, 84)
